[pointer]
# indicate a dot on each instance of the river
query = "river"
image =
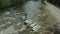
(30, 8)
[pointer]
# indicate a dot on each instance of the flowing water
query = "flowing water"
(30, 8)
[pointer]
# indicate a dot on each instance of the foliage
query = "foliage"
(5, 3)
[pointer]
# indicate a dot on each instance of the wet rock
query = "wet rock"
(7, 13)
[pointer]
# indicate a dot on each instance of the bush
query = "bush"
(5, 3)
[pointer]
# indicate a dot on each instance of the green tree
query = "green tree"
(4, 3)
